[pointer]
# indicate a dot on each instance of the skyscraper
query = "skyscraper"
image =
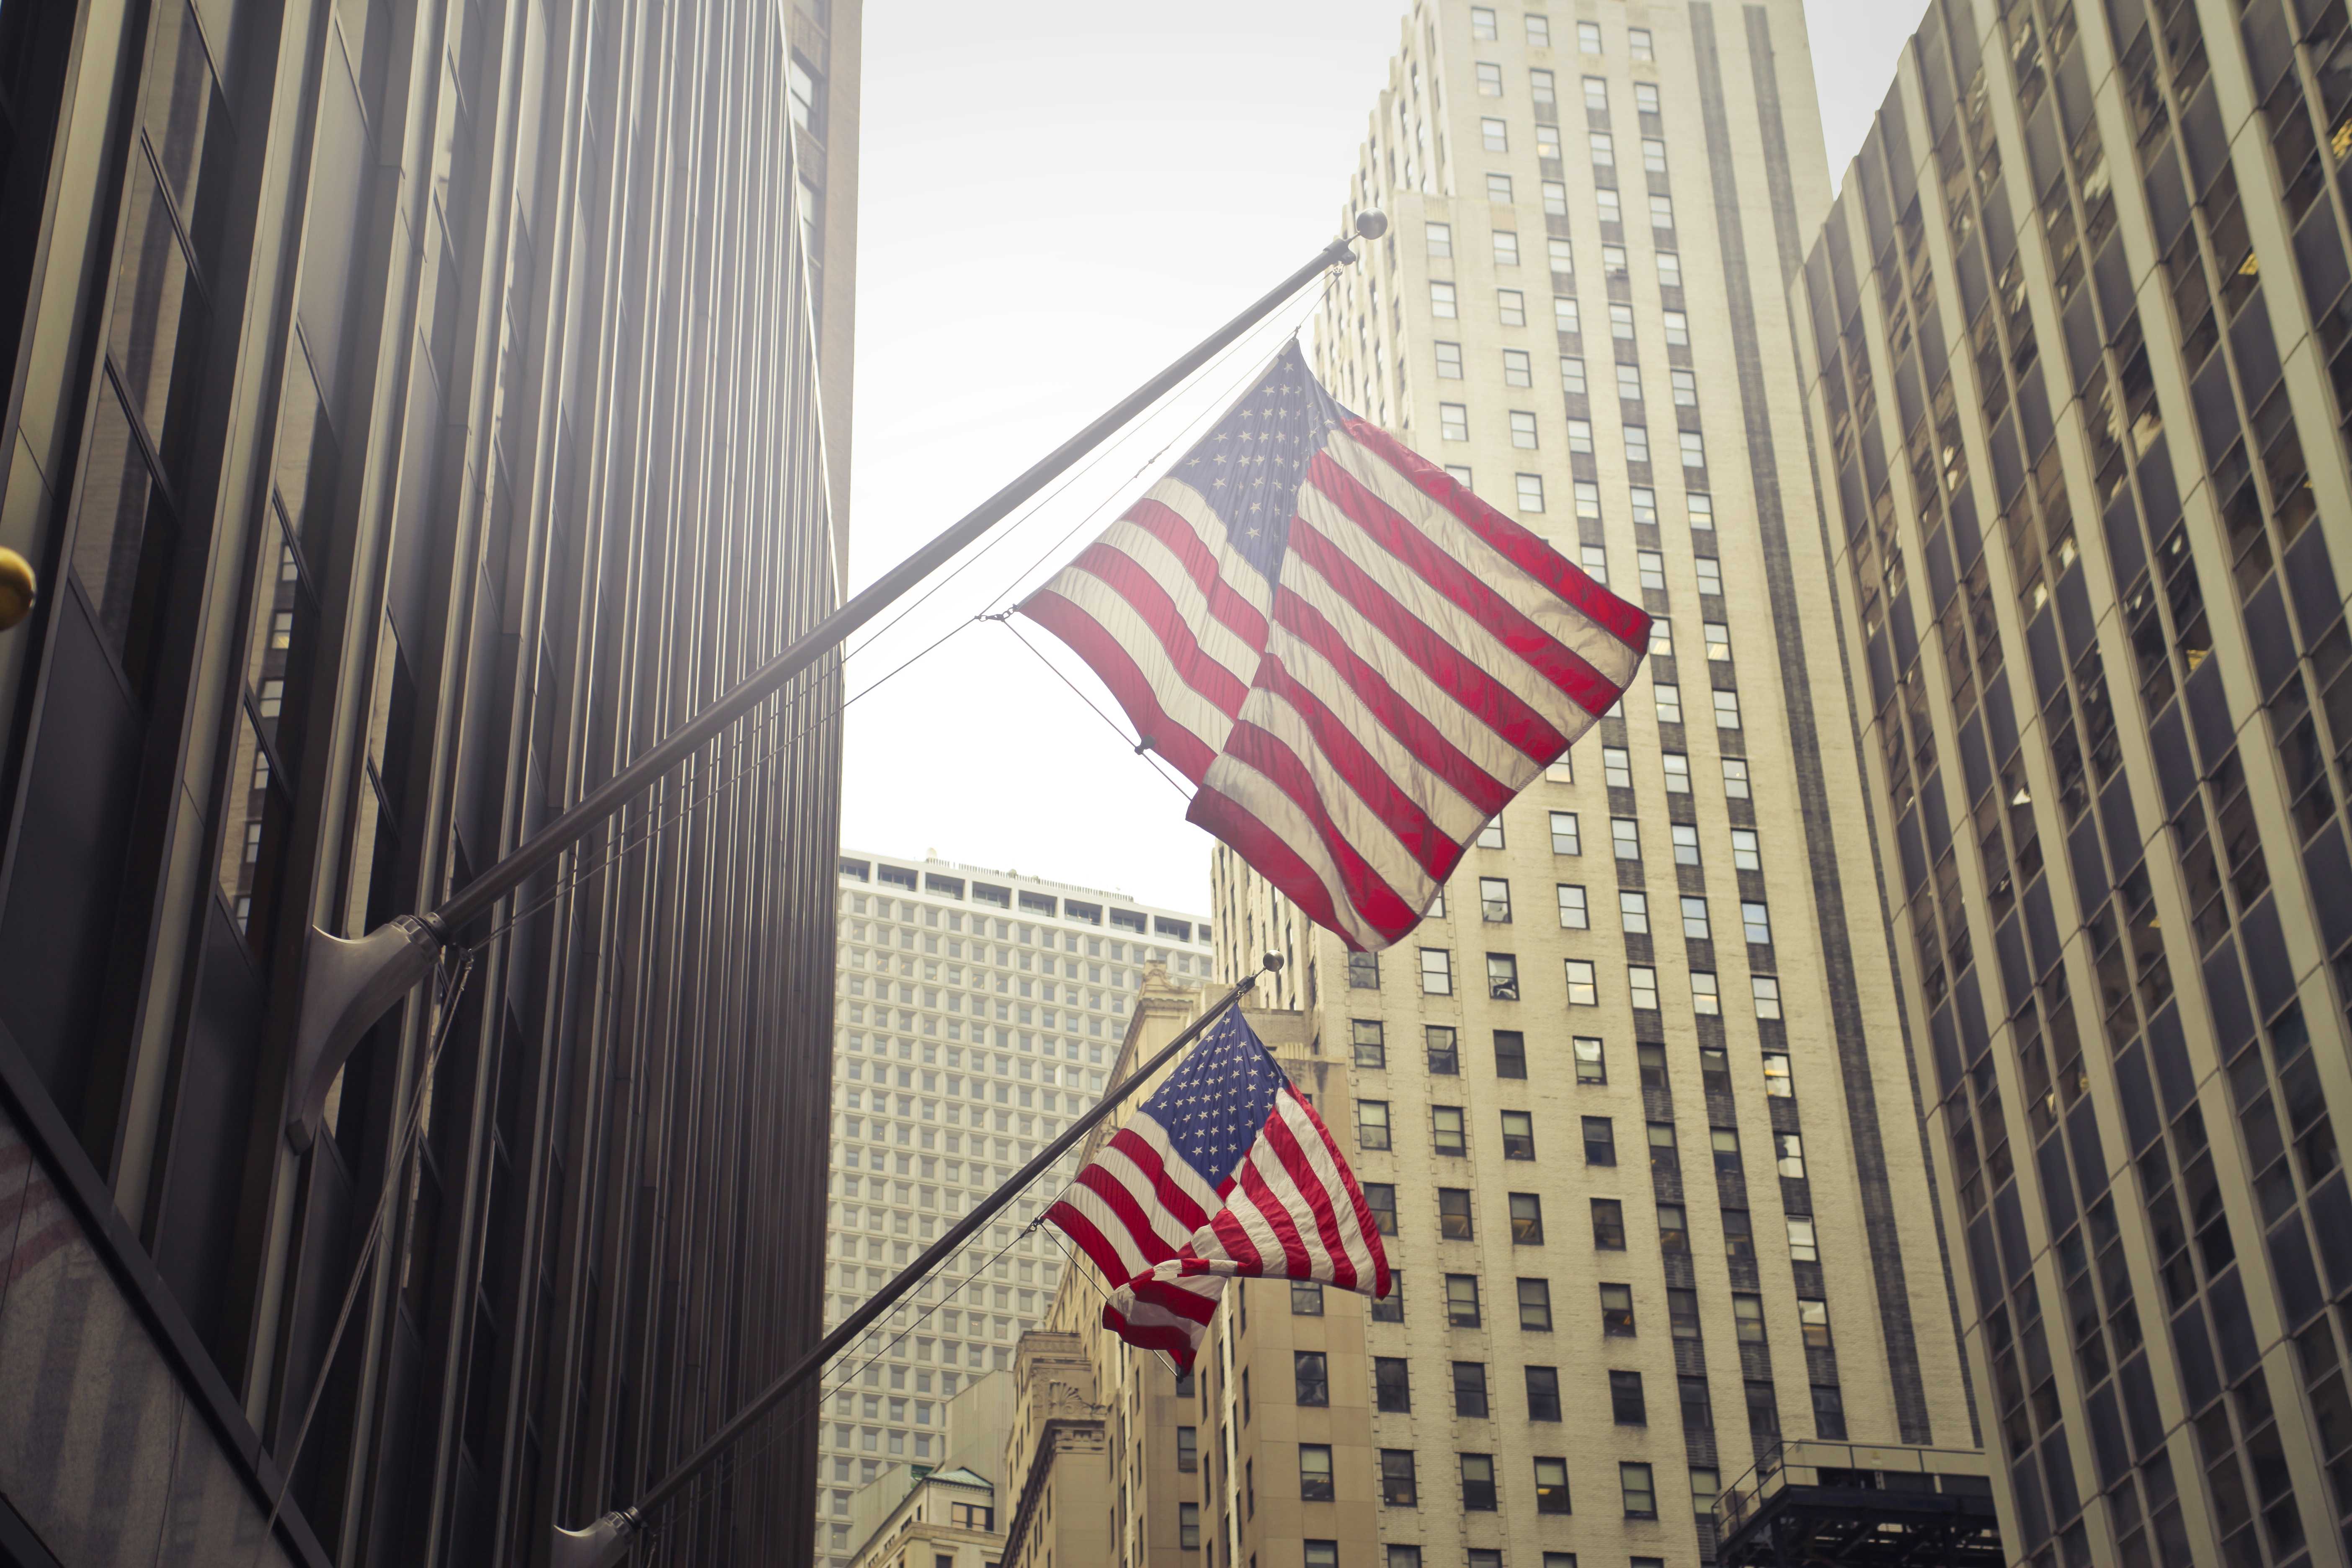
(2076, 341)
(1635, 1094)
(977, 1011)
(413, 417)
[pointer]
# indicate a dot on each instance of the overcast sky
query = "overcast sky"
(1058, 197)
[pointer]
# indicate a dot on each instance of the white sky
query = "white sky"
(1059, 197)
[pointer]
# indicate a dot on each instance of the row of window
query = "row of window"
(1582, 976)
(1453, 425)
(1511, 304)
(1441, 1043)
(1449, 1135)
(1484, 25)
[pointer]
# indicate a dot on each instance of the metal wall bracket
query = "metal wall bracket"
(347, 985)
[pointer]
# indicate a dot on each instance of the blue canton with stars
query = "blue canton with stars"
(1215, 1104)
(1250, 467)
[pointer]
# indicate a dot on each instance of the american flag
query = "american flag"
(1225, 1172)
(1355, 662)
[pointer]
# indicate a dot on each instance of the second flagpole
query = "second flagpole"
(607, 1541)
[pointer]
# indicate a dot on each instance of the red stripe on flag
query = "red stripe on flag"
(1122, 1204)
(1295, 1262)
(1235, 1240)
(1133, 582)
(1364, 1221)
(1098, 1248)
(1392, 532)
(1629, 624)
(1481, 696)
(1166, 525)
(1394, 711)
(1174, 1300)
(1092, 642)
(1380, 904)
(1427, 843)
(1179, 1346)
(1189, 1215)
(1272, 857)
(1311, 1190)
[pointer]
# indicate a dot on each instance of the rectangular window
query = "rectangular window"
(1518, 1128)
(1814, 1322)
(1493, 134)
(1441, 241)
(1449, 362)
(1490, 79)
(1625, 833)
(1686, 841)
(1664, 1154)
(1523, 429)
(1609, 1225)
(1573, 913)
(1694, 448)
(1677, 326)
(1310, 1372)
(1462, 1300)
(1668, 696)
(1440, 299)
(1398, 1488)
(1653, 564)
(1583, 990)
(1564, 837)
(1617, 1309)
(1511, 307)
(1600, 1141)
(1511, 1061)
(1443, 1059)
(1756, 922)
(1380, 1198)
(1705, 999)
(1637, 44)
(1662, 210)
(1531, 493)
(1621, 317)
(1506, 248)
(1643, 980)
(1539, 82)
(1554, 197)
(1571, 381)
(1305, 1302)
(1763, 1411)
(1453, 1221)
(1446, 1129)
(1746, 850)
(1604, 152)
(1490, 837)
(1735, 778)
(1548, 145)
(1637, 450)
(1482, 22)
(1725, 1143)
(1390, 1309)
(1641, 1496)
(1535, 1306)
(1526, 1222)
(1629, 376)
(1676, 767)
(1460, 474)
(1685, 385)
(1538, 32)
(1617, 767)
(1709, 573)
(1188, 1449)
(1188, 1527)
(1768, 994)
(1370, 1043)
(1498, 189)
(1315, 1472)
(1592, 1060)
(1478, 1483)
(1595, 558)
(1563, 314)
(1363, 972)
(1803, 1248)
(1454, 421)
(1829, 1413)
(1748, 1318)
(1551, 1486)
(1588, 38)
(1633, 912)
(1436, 972)
(1517, 369)
(1392, 1385)
(1562, 257)
(1626, 1405)
(1682, 1314)
(1470, 1389)
(1502, 977)
(1789, 1151)
(1371, 1124)
(1674, 1228)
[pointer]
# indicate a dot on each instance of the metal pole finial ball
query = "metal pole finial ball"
(18, 590)
(1372, 225)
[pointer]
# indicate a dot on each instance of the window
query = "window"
(1592, 1060)
(1437, 1039)
(1564, 318)
(1643, 980)
(1595, 557)
(1667, 695)
(1530, 492)
(1502, 977)
(1637, 450)
(1493, 135)
(1390, 1309)
(1625, 833)
(1676, 767)
(1789, 1149)
(803, 97)
(1571, 380)
(1829, 1412)
(1460, 474)
(1670, 266)
(1694, 448)
(1548, 145)
(1453, 1213)
(1686, 841)
(1767, 988)
(1306, 1300)
(1436, 972)
(1311, 1373)
(1440, 299)
(1652, 563)
(1621, 317)
(1499, 188)
(1454, 421)
(1511, 1061)
(1645, 97)
(1640, 1496)
(1803, 1248)
(1363, 972)
(1685, 385)
(1511, 307)
(1446, 1129)
(1322, 1554)
(1397, 1485)
(1651, 1060)
(1709, 573)
(1705, 999)
(1608, 1225)
(1617, 767)
(1738, 1239)
(1534, 1308)
(1555, 193)
(1600, 1141)
(1490, 837)
(1518, 1128)
(1188, 1526)
(1470, 1389)
(1724, 1143)
(1403, 1556)
(1562, 256)
(1449, 362)
(1735, 778)
(1682, 1314)
(1380, 1198)
(1677, 326)
(1523, 429)
(1588, 38)
(1674, 1228)
(1527, 1219)
(1633, 912)
(1637, 44)
(1700, 507)
(1371, 1045)
(1814, 1322)
(1441, 241)
(1583, 991)
(1462, 1300)
(1763, 1411)
(1539, 82)
(1506, 248)
(1625, 1402)
(1517, 369)
(1315, 1472)
(1478, 1482)
(1392, 1385)
(1565, 839)
(1539, 33)
(1490, 79)
(1746, 854)
(1371, 1124)
(1663, 1155)
(1604, 152)
(1616, 1309)
(1482, 22)
(1188, 1449)
(1748, 1318)
(1662, 210)
(1629, 376)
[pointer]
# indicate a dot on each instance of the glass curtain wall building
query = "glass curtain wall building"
(412, 415)
(2076, 339)
(977, 1011)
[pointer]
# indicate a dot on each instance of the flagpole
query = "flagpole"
(606, 1542)
(348, 984)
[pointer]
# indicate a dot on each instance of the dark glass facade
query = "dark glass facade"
(2078, 336)
(414, 415)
